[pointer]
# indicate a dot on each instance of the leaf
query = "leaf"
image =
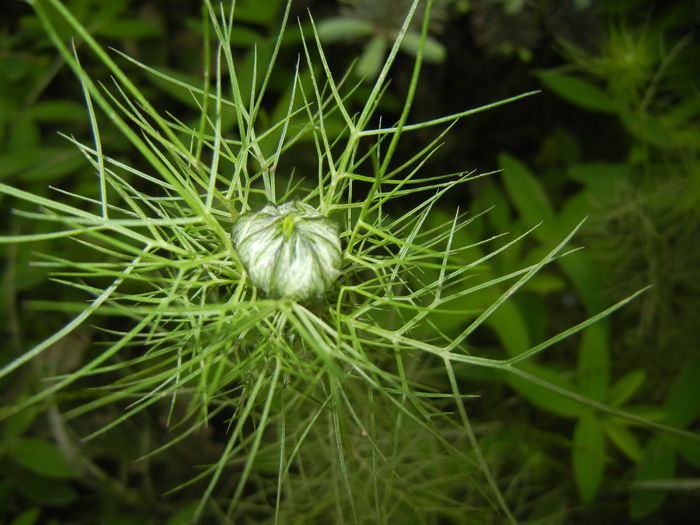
(626, 387)
(684, 111)
(67, 163)
(544, 283)
(131, 29)
(257, 12)
(19, 422)
(623, 439)
(540, 396)
(245, 37)
(57, 111)
(579, 92)
(133, 519)
(593, 372)
(28, 517)
(560, 147)
(659, 463)
(510, 327)
(499, 213)
(588, 455)
(682, 405)
(586, 278)
(372, 58)
(512, 331)
(549, 508)
(40, 164)
(14, 68)
(534, 310)
(600, 174)
(602, 182)
(342, 28)
(179, 92)
(184, 515)
(528, 196)
(24, 134)
(433, 51)
(42, 457)
(47, 491)
(690, 450)
(574, 209)
(513, 7)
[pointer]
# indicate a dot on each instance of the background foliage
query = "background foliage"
(613, 136)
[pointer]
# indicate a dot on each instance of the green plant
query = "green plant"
(32, 108)
(346, 409)
(37, 474)
(643, 213)
(381, 21)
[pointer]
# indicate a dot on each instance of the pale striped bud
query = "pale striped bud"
(289, 251)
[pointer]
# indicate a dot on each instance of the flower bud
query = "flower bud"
(289, 251)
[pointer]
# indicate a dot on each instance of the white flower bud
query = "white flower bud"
(289, 250)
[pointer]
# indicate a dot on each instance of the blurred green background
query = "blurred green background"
(613, 135)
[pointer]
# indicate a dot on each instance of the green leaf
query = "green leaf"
(535, 312)
(13, 68)
(42, 457)
(490, 196)
(548, 508)
(684, 111)
(245, 37)
(28, 517)
(107, 10)
(433, 51)
(132, 29)
(46, 491)
(184, 515)
(690, 450)
(559, 147)
(57, 111)
(682, 405)
(659, 463)
(129, 519)
(528, 196)
(574, 209)
(40, 164)
(510, 327)
(603, 175)
(626, 387)
(17, 423)
(623, 439)
(586, 278)
(593, 371)
(540, 396)
(650, 412)
(257, 12)
(372, 58)
(178, 91)
(544, 283)
(512, 331)
(513, 7)
(602, 182)
(588, 455)
(579, 92)
(24, 134)
(67, 163)
(341, 28)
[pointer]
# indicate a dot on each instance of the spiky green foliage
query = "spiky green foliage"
(334, 410)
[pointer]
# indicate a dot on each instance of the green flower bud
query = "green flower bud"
(289, 250)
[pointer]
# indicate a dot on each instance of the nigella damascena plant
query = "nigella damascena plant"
(289, 251)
